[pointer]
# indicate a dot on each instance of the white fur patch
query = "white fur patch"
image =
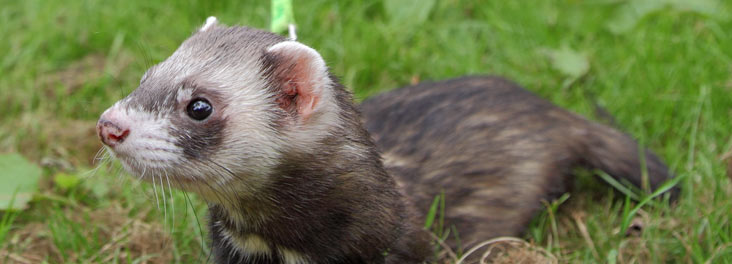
(148, 145)
(252, 245)
(210, 21)
(292, 257)
(183, 95)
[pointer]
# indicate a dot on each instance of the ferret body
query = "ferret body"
(255, 124)
(495, 149)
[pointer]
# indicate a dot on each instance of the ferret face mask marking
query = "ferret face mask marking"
(220, 111)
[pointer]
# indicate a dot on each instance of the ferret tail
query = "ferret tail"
(620, 156)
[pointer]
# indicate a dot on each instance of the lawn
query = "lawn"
(660, 70)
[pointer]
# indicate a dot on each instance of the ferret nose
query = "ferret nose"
(111, 133)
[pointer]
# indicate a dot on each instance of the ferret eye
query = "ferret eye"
(199, 109)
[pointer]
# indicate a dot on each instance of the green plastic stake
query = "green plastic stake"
(282, 16)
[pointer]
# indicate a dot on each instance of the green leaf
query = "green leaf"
(18, 181)
(432, 213)
(66, 181)
(569, 62)
(408, 12)
(710, 8)
(629, 14)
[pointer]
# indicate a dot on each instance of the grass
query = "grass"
(664, 72)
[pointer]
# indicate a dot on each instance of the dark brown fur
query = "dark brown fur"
(495, 149)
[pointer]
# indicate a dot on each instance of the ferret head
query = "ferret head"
(221, 110)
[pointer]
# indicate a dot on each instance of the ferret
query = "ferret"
(257, 126)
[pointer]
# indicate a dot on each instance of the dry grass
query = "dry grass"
(126, 237)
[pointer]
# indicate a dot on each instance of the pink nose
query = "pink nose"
(111, 133)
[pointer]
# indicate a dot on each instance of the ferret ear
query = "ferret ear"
(210, 21)
(300, 75)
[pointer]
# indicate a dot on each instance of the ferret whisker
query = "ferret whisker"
(172, 201)
(231, 173)
(223, 167)
(100, 152)
(222, 191)
(119, 172)
(164, 198)
(142, 175)
(198, 223)
(155, 190)
(104, 161)
(215, 191)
